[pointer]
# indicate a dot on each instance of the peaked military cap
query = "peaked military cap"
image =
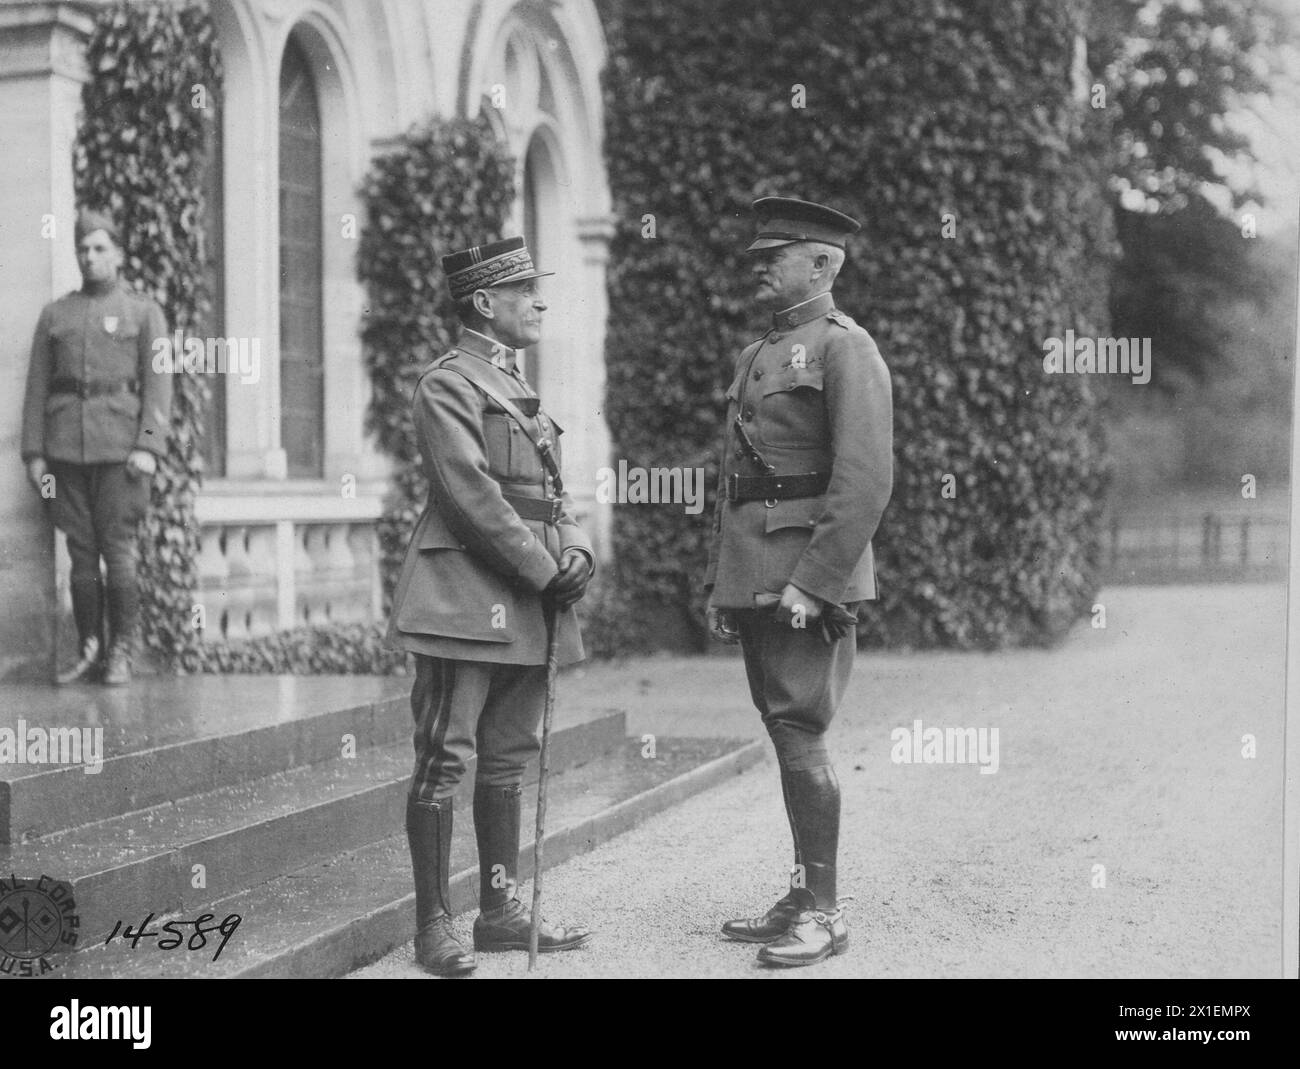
(785, 220)
(494, 264)
(89, 220)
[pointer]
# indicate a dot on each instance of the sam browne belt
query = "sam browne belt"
(776, 487)
(546, 509)
(771, 487)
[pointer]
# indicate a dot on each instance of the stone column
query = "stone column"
(42, 69)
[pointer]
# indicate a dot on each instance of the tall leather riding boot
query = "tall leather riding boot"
(428, 830)
(503, 921)
(814, 799)
(819, 930)
(789, 815)
(774, 923)
(88, 608)
(87, 614)
(123, 626)
(496, 827)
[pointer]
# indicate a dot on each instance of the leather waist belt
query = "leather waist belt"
(776, 487)
(546, 509)
(95, 387)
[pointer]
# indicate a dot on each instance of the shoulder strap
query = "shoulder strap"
(543, 445)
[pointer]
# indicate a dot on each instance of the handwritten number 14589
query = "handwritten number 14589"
(175, 936)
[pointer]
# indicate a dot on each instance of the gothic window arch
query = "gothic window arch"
(302, 364)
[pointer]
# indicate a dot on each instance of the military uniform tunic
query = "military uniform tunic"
(468, 599)
(96, 338)
(813, 395)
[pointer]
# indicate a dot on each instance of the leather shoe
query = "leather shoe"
(439, 951)
(87, 669)
(117, 670)
(813, 936)
(771, 925)
(507, 929)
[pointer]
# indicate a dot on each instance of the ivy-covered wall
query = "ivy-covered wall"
(139, 153)
(449, 185)
(953, 132)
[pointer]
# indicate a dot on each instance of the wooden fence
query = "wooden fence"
(1188, 546)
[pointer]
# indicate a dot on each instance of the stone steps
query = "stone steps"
(283, 800)
(343, 911)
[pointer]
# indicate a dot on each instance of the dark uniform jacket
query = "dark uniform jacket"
(814, 395)
(96, 339)
(471, 582)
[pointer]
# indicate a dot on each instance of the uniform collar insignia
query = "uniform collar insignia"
(485, 348)
(803, 312)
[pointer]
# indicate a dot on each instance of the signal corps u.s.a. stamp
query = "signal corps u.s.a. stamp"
(38, 921)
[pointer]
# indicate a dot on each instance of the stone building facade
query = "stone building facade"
(314, 89)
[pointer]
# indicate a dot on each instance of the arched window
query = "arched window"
(302, 393)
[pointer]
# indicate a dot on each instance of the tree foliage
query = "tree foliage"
(1176, 75)
(919, 113)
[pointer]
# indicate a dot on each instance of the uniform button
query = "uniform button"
(758, 374)
(749, 413)
(740, 453)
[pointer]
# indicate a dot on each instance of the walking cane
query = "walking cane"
(552, 668)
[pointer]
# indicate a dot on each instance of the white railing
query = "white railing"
(315, 562)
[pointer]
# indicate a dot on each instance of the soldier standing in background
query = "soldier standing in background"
(95, 420)
(806, 472)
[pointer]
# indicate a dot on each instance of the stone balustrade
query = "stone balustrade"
(269, 563)
(257, 578)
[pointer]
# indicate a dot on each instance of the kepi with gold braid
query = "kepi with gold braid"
(496, 263)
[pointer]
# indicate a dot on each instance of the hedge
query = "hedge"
(140, 154)
(917, 112)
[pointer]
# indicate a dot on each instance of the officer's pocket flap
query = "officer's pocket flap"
(435, 535)
(791, 378)
(795, 512)
(450, 594)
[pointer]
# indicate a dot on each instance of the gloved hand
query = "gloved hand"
(722, 625)
(837, 622)
(570, 582)
(834, 622)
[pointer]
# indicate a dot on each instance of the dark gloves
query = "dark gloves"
(837, 623)
(570, 582)
(834, 621)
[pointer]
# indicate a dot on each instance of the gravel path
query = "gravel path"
(1122, 748)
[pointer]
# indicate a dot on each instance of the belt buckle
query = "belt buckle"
(733, 486)
(556, 507)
